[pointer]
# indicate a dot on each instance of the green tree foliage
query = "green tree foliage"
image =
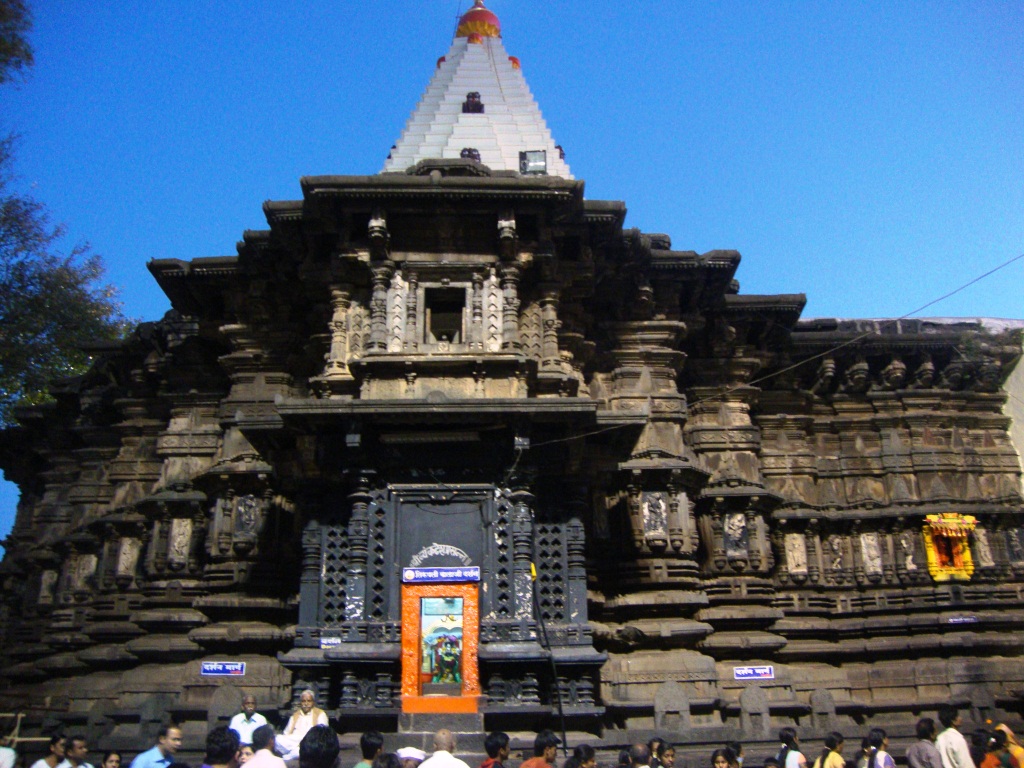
(15, 52)
(52, 304)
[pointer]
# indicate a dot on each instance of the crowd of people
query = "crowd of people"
(308, 741)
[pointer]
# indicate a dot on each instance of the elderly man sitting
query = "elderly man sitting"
(304, 718)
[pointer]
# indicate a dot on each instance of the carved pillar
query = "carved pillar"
(575, 544)
(337, 358)
(309, 582)
(522, 552)
(476, 324)
(379, 308)
(510, 306)
(412, 331)
(358, 538)
(813, 549)
(549, 326)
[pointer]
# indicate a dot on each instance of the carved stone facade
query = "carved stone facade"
(436, 370)
(450, 440)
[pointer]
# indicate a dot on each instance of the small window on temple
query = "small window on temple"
(472, 105)
(468, 153)
(444, 315)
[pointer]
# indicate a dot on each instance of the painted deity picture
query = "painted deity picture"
(441, 639)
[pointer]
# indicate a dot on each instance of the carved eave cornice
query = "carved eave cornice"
(193, 285)
(314, 413)
(718, 262)
(607, 213)
(783, 307)
(403, 188)
(278, 212)
(876, 336)
(903, 513)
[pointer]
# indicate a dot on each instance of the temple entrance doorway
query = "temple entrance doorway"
(440, 640)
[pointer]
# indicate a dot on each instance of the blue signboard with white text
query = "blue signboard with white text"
(762, 672)
(446, 574)
(222, 668)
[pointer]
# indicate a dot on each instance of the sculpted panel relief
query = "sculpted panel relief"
(179, 543)
(982, 550)
(47, 586)
(871, 553)
(796, 553)
(1015, 539)
(128, 551)
(736, 536)
(655, 512)
(907, 551)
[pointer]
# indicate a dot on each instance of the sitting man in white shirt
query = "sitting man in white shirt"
(248, 720)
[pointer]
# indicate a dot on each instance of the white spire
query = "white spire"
(510, 122)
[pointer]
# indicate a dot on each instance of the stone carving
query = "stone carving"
(924, 376)
(871, 554)
(128, 551)
(894, 374)
(982, 551)
(179, 543)
(796, 554)
(907, 551)
(858, 377)
(82, 572)
(736, 534)
(1015, 539)
(672, 708)
(655, 512)
(755, 714)
(47, 587)
(835, 552)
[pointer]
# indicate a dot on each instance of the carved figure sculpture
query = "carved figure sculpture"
(871, 551)
(907, 547)
(655, 512)
(982, 550)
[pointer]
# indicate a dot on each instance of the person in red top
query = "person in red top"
(496, 746)
(545, 748)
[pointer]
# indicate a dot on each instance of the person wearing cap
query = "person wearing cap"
(444, 748)
(410, 756)
(545, 749)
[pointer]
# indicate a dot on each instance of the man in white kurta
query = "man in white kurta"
(304, 718)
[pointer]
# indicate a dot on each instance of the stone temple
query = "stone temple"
(450, 441)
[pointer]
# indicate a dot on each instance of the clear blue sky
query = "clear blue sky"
(869, 154)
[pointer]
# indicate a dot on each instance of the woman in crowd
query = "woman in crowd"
(998, 755)
(1012, 745)
(666, 755)
(723, 758)
(790, 755)
(832, 755)
(878, 743)
(245, 753)
(111, 760)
